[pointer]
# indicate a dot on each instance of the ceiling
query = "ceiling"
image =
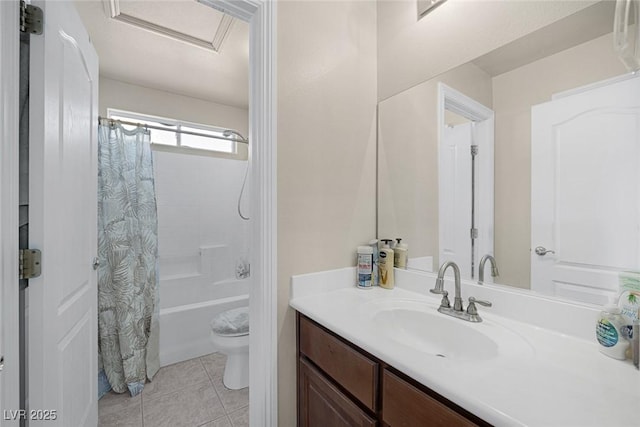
(178, 46)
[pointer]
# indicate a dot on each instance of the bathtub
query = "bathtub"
(187, 305)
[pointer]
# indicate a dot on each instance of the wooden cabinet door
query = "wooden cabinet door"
(403, 405)
(348, 367)
(321, 404)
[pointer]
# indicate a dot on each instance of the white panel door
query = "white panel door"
(9, 200)
(585, 191)
(62, 303)
(455, 197)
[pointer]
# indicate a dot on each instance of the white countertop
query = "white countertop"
(562, 380)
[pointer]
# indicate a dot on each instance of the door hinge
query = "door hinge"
(474, 233)
(474, 150)
(30, 263)
(31, 18)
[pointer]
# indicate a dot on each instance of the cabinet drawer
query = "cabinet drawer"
(405, 405)
(322, 404)
(352, 370)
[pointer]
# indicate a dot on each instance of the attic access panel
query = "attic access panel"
(184, 20)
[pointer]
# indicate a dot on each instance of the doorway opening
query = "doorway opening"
(262, 126)
(465, 180)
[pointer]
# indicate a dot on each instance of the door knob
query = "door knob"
(96, 263)
(542, 251)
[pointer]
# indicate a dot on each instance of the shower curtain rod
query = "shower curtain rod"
(112, 121)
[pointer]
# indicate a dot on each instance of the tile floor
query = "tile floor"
(189, 394)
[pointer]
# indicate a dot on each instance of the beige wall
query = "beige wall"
(514, 93)
(326, 152)
(411, 51)
(139, 99)
(408, 158)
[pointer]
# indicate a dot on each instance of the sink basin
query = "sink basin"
(419, 326)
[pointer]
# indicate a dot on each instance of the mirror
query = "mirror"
(520, 83)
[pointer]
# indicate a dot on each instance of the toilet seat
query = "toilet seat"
(231, 323)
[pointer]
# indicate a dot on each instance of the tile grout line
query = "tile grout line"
(217, 419)
(211, 378)
(174, 390)
(215, 390)
(142, 409)
(212, 386)
(205, 369)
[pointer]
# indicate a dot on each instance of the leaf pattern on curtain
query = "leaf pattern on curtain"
(128, 252)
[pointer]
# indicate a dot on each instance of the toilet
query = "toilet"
(230, 335)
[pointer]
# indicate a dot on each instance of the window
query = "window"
(178, 133)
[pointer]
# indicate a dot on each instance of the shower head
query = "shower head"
(229, 132)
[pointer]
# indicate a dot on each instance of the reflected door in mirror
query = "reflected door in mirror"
(586, 190)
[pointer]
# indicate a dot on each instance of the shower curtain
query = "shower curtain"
(128, 251)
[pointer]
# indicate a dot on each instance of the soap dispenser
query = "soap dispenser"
(385, 262)
(609, 331)
(400, 252)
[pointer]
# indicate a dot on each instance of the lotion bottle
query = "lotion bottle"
(400, 253)
(385, 262)
(609, 332)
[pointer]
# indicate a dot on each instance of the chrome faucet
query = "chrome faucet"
(494, 268)
(439, 289)
(471, 314)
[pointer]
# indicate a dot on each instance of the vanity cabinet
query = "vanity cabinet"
(322, 404)
(342, 385)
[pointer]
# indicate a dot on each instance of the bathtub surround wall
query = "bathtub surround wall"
(201, 240)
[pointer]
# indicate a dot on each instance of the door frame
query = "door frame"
(483, 135)
(261, 16)
(263, 344)
(9, 125)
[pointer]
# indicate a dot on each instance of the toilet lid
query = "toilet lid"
(232, 323)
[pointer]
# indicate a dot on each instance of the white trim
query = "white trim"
(241, 155)
(263, 347)
(112, 9)
(595, 85)
(245, 10)
(483, 135)
(452, 100)
(262, 112)
(9, 124)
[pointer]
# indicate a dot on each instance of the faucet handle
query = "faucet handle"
(445, 300)
(472, 309)
(479, 301)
